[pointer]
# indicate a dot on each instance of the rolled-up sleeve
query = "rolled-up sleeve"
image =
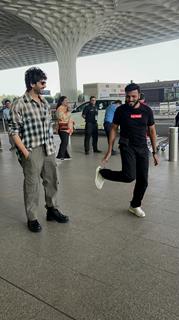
(16, 119)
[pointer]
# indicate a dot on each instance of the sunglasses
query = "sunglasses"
(43, 82)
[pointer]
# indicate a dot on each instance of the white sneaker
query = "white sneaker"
(137, 211)
(99, 180)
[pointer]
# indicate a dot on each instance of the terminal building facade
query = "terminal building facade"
(155, 92)
(160, 91)
(104, 90)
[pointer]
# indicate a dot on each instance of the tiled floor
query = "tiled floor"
(105, 264)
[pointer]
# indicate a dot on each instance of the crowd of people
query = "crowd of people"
(31, 131)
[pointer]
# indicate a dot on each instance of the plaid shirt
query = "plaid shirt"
(33, 123)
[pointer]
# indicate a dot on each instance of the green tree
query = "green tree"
(57, 96)
(7, 96)
(49, 99)
(81, 97)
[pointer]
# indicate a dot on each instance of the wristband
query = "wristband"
(154, 152)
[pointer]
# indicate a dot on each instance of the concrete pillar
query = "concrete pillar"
(67, 72)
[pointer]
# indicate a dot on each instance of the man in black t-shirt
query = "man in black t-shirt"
(134, 120)
(90, 114)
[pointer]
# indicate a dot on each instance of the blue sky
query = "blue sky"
(143, 64)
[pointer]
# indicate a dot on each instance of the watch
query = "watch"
(154, 152)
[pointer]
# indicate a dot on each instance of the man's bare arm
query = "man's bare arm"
(153, 139)
(112, 137)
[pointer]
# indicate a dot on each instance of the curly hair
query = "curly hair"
(132, 86)
(32, 76)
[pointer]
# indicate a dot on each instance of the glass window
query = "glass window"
(81, 107)
(177, 93)
(102, 104)
(169, 94)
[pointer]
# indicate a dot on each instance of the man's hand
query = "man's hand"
(106, 157)
(156, 159)
(26, 154)
(56, 127)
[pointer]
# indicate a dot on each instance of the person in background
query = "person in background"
(108, 119)
(142, 99)
(7, 121)
(90, 114)
(64, 127)
(133, 118)
(32, 133)
(6, 111)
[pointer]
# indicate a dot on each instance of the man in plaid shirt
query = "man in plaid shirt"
(32, 133)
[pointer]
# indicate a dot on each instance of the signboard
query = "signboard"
(104, 94)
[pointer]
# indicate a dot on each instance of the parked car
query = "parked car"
(77, 113)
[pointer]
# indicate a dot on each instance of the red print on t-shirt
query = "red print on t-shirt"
(136, 116)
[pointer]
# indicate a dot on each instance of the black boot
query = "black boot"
(34, 225)
(55, 214)
(97, 151)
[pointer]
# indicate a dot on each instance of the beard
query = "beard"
(133, 103)
(38, 90)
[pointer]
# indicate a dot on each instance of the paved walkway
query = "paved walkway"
(106, 264)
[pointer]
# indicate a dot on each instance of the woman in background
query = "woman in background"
(64, 127)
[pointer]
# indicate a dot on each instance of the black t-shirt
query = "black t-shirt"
(91, 113)
(134, 123)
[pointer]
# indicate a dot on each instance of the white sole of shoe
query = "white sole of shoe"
(99, 184)
(137, 214)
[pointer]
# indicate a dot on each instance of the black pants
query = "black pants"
(91, 129)
(135, 164)
(63, 152)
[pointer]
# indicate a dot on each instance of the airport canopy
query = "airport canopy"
(36, 31)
